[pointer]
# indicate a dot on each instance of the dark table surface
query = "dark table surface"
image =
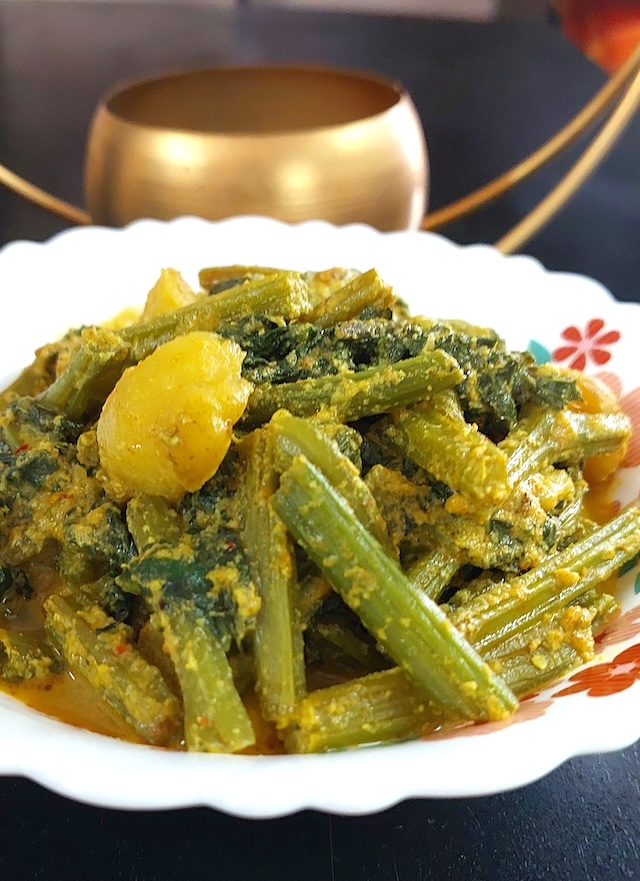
(487, 95)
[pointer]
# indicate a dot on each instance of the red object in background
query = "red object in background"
(607, 31)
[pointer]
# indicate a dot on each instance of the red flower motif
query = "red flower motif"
(589, 344)
(608, 678)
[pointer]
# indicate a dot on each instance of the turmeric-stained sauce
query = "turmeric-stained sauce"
(71, 700)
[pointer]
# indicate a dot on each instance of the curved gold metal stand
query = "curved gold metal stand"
(40, 197)
(576, 176)
(623, 90)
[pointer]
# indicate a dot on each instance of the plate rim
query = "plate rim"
(368, 801)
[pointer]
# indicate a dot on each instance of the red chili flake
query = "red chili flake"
(203, 721)
(230, 545)
(22, 448)
(121, 649)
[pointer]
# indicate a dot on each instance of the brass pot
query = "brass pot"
(288, 142)
(295, 143)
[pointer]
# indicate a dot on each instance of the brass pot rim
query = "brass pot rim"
(397, 93)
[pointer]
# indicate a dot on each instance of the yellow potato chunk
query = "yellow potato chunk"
(170, 292)
(167, 425)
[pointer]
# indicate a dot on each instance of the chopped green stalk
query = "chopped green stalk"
(571, 625)
(215, 719)
(202, 598)
(94, 368)
(102, 356)
(377, 708)
(364, 291)
(432, 573)
(282, 293)
(243, 669)
(562, 436)
(278, 643)
(100, 650)
(512, 606)
(215, 275)
(571, 518)
(77, 566)
(300, 437)
(547, 650)
(436, 437)
(412, 629)
(603, 605)
(311, 594)
(151, 520)
(386, 706)
(25, 656)
(526, 673)
(345, 397)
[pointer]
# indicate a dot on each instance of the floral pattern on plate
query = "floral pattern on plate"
(591, 343)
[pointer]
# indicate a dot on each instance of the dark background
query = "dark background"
(488, 94)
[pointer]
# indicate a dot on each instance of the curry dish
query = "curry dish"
(282, 514)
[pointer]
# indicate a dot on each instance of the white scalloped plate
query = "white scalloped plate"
(88, 274)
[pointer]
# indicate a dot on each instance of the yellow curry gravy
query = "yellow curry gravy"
(72, 700)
